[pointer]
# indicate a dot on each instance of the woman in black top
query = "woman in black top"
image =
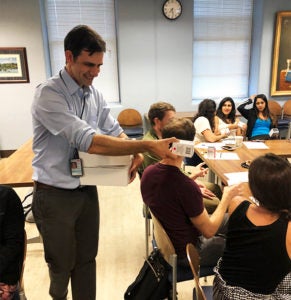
(11, 242)
(256, 263)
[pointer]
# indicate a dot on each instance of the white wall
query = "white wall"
(155, 55)
(20, 27)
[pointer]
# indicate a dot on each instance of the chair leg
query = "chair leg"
(174, 280)
(22, 296)
(147, 229)
(146, 237)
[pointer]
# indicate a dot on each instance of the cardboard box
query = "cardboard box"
(105, 170)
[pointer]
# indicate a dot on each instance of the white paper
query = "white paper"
(224, 156)
(237, 177)
(256, 145)
(206, 145)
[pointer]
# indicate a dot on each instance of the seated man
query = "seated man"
(159, 115)
(176, 200)
(11, 242)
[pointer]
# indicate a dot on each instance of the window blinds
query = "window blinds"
(63, 15)
(221, 48)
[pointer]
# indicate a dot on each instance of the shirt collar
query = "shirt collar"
(72, 85)
(153, 133)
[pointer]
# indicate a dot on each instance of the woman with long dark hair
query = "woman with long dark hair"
(204, 128)
(260, 119)
(204, 123)
(226, 120)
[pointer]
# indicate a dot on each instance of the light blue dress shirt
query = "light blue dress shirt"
(64, 117)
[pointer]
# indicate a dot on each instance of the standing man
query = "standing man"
(160, 114)
(66, 112)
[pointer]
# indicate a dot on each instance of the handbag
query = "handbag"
(152, 281)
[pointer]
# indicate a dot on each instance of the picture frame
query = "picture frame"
(281, 79)
(13, 65)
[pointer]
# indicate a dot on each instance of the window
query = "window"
(62, 15)
(221, 48)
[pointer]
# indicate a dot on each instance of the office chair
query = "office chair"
(287, 110)
(131, 122)
(199, 292)
(163, 242)
(276, 109)
(147, 217)
(287, 117)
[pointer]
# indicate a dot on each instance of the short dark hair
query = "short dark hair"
(82, 37)
(270, 182)
(158, 110)
(181, 128)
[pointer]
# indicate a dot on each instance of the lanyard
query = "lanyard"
(82, 99)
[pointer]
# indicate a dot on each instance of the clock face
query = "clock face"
(172, 9)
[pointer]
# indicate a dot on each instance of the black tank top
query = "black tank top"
(255, 257)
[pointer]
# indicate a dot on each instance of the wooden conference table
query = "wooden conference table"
(16, 170)
(219, 166)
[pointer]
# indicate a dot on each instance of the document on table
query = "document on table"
(224, 156)
(237, 177)
(256, 145)
(206, 145)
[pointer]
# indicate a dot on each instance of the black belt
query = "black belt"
(43, 186)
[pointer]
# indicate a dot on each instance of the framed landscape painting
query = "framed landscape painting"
(13, 65)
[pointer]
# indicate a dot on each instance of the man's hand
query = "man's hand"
(199, 171)
(207, 193)
(229, 192)
(136, 162)
(161, 148)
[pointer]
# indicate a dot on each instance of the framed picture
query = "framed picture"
(13, 65)
(281, 71)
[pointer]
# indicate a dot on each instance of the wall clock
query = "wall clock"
(172, 9)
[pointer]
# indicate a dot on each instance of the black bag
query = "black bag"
(27, 209)
(152, 281)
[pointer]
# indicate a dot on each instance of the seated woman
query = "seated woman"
(11, 242)
(204, 126)
(260, 119)
(226, 120)
(256, 263)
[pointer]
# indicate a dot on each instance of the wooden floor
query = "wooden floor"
(121, 247)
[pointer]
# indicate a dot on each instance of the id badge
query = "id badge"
(76, 167)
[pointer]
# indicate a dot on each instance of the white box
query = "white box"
(183, 148)
(105, 170)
